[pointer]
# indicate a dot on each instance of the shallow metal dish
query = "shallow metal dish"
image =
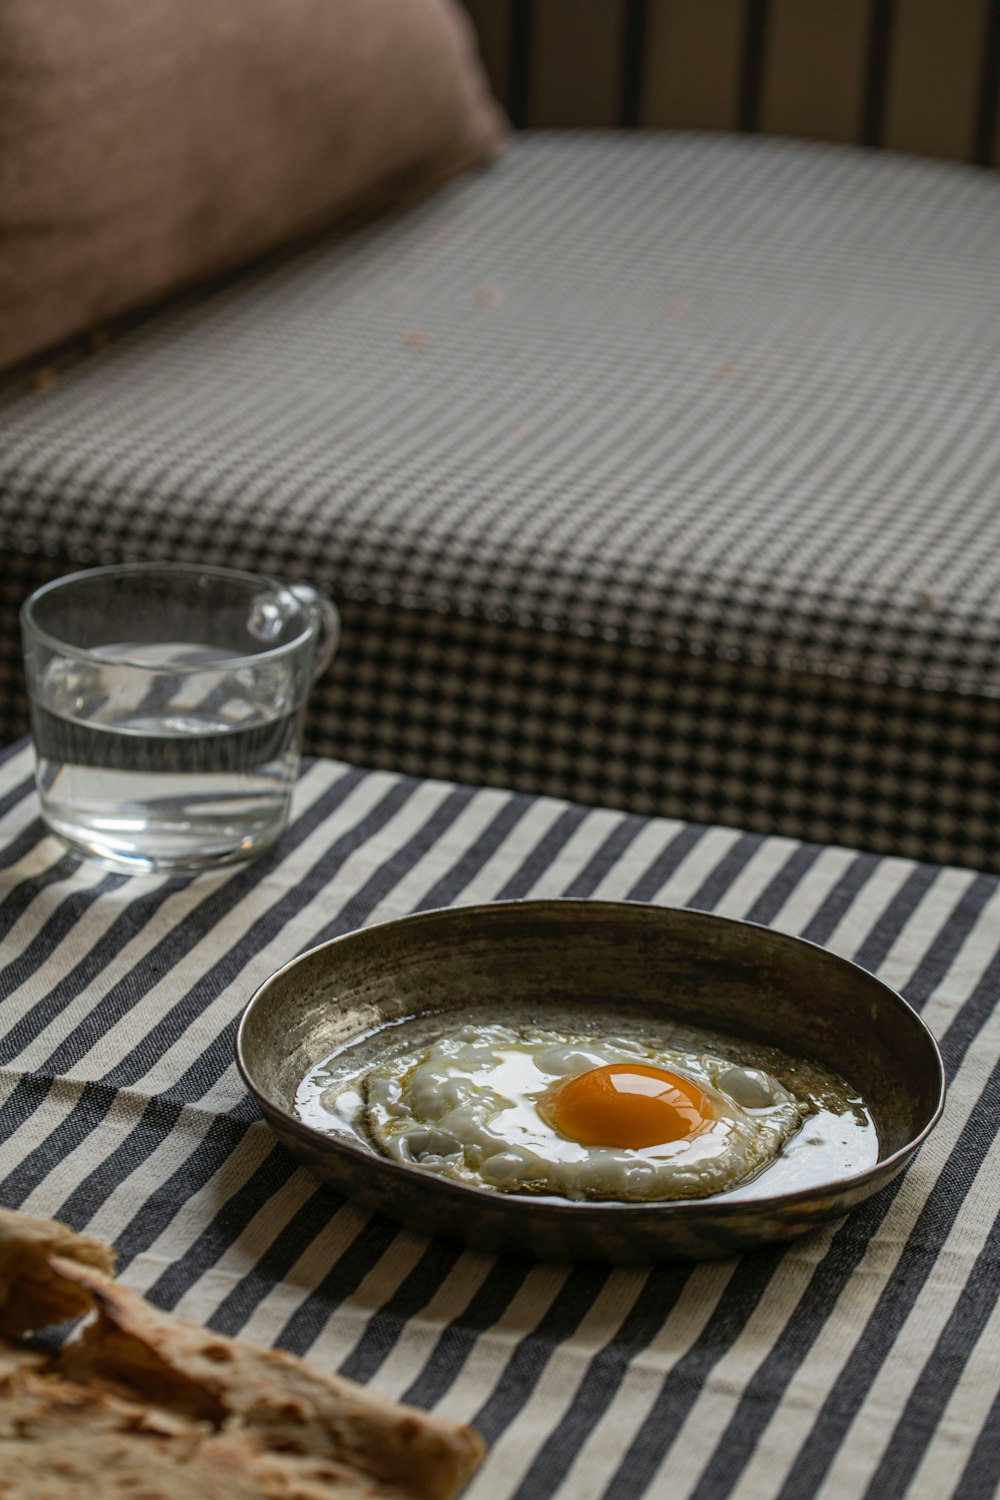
(730, 976)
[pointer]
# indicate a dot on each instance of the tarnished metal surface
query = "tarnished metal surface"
(684, 965)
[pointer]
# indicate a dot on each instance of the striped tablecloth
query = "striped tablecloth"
(861, 1360)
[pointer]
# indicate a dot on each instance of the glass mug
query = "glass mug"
(167, 704)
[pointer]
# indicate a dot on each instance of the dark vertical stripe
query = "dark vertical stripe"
(30, 1093)
(16, 794)
(601, 1383)
(880, 23)
(979, 1477)
(519, 55)
(364, 899)
(989, 91)
(944, 1367)
(752, 71)
(633, 53)
(686, 1380)
(454, 881)
(605, 858)
(410, 1297)
(951, 935)
(221, 1232)
(731, 865)
(340, 1282)
(152, 1121)
(823, 922)
(306, 1224)
(58, 927)
(542, 855)
(23, 844)
(221, 1140)
(455, 1344)
(666, 862)
(777, 891)
(890, 924)
(22, 897)
(530, 1356)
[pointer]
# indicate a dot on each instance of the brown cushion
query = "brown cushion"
(144, 146)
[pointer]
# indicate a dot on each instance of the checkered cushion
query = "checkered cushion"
(657, 471)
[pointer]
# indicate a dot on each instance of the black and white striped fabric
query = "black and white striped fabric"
(656, 470)
(858, 1361)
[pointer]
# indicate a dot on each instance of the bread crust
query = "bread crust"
(32, 1295)
(165, 1410)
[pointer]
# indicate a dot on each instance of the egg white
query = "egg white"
(466, 1108)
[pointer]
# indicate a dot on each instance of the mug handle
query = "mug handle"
(328, 619)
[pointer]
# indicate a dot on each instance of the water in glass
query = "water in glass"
(164, 769)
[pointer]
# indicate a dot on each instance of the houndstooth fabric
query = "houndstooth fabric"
(657, 471)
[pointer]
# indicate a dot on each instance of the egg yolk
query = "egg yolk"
(627, 1104)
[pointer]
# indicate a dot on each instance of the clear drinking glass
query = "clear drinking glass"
(166, 709)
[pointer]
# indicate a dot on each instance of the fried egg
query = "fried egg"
(534, 1111)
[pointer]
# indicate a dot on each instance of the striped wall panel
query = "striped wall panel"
(936, 61)
(813, 75)
(692, 53)
(911, 75)
(577, 57)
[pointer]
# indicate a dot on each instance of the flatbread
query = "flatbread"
(165, 1410)
(32, 1295)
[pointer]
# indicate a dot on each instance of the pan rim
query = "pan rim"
(524, 1204)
